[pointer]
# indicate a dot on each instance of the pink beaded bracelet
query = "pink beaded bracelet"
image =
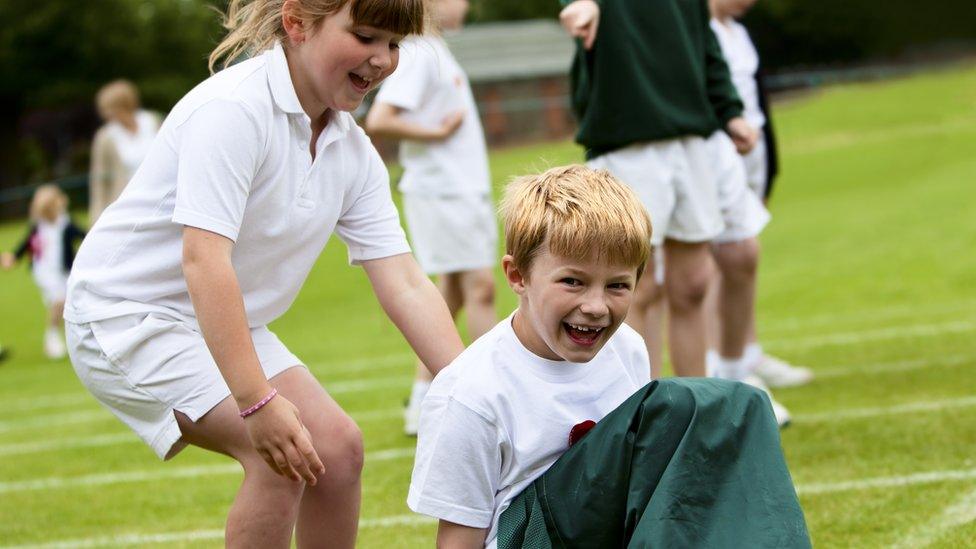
(260, 404)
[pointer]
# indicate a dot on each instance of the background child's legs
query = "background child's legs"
(647, 313)
(54, 332)
(266, 508)
(478, 290)
(687, 272)
(736, 298)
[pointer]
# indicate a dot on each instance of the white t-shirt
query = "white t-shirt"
(233, 158)
(429, 85)
(132, 147)
(743, 60)
(499, 416)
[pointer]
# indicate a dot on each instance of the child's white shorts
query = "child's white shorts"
(450, 234)
(674, 180)
(756, 168)
(742, 211)
(52, 285)
(143, 367)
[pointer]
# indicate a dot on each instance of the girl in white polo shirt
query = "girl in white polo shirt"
(446, 186)
(171, 294)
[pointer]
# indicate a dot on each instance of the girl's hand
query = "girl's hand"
(7, 261)
(581, 20)
(279, 436)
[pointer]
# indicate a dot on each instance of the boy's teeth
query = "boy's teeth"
(582, 328)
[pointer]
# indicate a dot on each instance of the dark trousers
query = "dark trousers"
(681, 463)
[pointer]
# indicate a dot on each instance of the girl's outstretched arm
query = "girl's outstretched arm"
(275, 429)
(413, 303)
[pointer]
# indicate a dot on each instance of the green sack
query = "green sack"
(682, 463)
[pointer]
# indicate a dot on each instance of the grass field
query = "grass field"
(868, 276)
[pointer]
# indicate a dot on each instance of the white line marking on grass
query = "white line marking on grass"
(894, 367)
(364, 364)
(962, 511)
(163, 473)
(907, 408)
(773, 325)
(54, 420)
(88, 441)
(200, 535)
(113, 439)
(26, 404)
(360, 385)
(930, 477)
(856, 337)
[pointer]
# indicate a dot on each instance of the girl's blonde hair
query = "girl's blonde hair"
(576, 212)
(255, 25)
(48, 203)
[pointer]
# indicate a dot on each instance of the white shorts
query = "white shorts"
(52, 285)
(673, 179)
(143, 367)
(451, 234)
(742, 211)
(756, 168)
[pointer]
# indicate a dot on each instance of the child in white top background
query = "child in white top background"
(427, 104)
(49, 246)
(171, 294)
(743, 61)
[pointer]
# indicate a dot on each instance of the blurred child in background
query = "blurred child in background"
(50, 248)
(120, 144)
(428, 104)
(756, 166)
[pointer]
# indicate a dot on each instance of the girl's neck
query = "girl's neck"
(314, 109)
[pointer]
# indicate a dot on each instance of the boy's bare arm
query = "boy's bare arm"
(456, 536)
(386, 120)
(581, 19)
(413, 303)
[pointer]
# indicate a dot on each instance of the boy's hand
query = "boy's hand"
(451, 123)
(7, 261)
(280, 438)
(743, 135)
(581, 19)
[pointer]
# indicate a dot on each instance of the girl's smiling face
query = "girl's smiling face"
(336, 64)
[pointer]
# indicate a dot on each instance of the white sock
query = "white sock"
(753, 355)
(418, 392)
(711, 363)
(731, 368)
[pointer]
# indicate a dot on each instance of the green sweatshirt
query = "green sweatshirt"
(655, 72)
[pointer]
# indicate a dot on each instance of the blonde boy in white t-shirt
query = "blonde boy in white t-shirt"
(427, 104)
(501, 418)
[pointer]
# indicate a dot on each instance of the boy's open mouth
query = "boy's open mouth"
(582, 335)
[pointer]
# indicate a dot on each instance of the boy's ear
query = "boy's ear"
(516, 279)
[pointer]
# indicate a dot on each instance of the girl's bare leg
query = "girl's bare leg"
(478, 290)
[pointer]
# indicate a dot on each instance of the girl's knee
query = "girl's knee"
(340, 446)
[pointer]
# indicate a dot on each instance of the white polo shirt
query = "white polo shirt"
(429, 85)
(743, 60)
(233, 158)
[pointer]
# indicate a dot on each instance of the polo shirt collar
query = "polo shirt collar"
(283, 90)
(279, 79)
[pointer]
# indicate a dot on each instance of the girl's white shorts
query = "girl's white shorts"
(674, 180)
(143, 367)
(451, 234)
(743, 212)
(53, 285)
